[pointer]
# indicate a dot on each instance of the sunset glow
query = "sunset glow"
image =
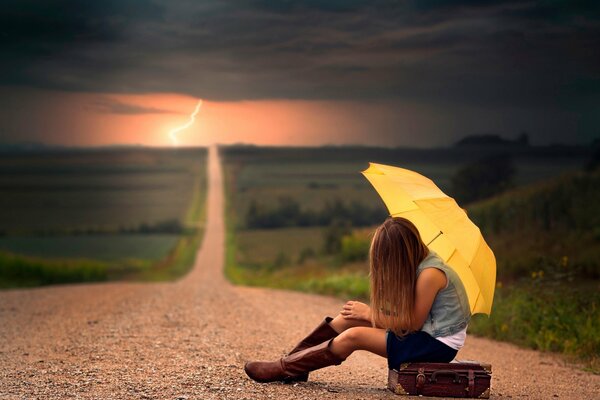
(105, 119)
(99, 119)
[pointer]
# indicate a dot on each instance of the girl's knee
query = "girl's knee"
(360, 338)
(340, 324)
(345, 343)
(352, 335)
(337, 323)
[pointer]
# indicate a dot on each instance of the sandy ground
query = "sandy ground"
(189, 340)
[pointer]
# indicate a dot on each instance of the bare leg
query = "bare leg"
(340, 324)
(360, 338)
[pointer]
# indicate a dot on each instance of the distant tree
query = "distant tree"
(281, 260)
(305, 254)
(333, 235)
(594, 161)
(288, 212)
(523, 139)
(482, 140)
(254, 215)
(483, 178)
(491, 140)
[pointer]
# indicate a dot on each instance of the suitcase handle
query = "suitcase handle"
(434, 375)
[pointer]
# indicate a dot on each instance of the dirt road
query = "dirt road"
(189, 339)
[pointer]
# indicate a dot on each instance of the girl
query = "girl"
(419, 312)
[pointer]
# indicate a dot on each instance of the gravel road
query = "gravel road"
(189, 340)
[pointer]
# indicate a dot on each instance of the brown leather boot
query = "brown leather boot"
(323, 332)
(293, 365)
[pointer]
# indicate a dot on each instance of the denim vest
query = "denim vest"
(450, 312)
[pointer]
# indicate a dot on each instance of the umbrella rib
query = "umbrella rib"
(477, 298)
(436, 236)
(445, 196)
(403, 212)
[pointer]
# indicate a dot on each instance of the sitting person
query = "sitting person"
(419, 312)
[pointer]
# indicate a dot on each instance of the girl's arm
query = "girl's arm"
(356, 310)
(429, 283)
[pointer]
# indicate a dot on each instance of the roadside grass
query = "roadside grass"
(562, 319)
(321, 275)
(177, 263)
(27, 271)
(22, 271)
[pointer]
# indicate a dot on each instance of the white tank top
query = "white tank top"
(455, 341)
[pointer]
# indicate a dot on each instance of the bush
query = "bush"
(305, 254)
(281, 260)
(354, 248)
(483, 178)
(332, 237)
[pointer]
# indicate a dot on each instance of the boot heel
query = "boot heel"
(294, 379)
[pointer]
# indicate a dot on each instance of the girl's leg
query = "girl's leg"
(327, 330)
(340, 324)
(331, 352)
(360, 338)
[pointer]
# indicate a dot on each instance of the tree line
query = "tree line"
(288, 212)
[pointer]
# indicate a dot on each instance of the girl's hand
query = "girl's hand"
(356, 310)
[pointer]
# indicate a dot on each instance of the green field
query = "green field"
(96, 189)
(105, 248)
(133, 213)
(528, 243)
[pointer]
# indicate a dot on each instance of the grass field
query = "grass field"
(529, 244)
(105, 248)
(95, 189)
(78, 215)
(317, 176)
(537, 224)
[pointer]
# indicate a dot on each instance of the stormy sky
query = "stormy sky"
(394, 72)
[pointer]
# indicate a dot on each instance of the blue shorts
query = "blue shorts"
(418, 346)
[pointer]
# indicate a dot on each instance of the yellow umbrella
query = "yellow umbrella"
(444, 227)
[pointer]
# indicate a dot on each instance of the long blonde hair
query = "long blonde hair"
(396, 251)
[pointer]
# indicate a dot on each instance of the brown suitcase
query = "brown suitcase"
(456, 379)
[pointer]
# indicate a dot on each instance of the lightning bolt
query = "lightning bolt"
(173, 132)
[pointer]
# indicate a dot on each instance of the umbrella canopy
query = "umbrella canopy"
(444, 227)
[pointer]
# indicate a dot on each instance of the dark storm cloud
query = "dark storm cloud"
(489, 53)
(110, 106)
